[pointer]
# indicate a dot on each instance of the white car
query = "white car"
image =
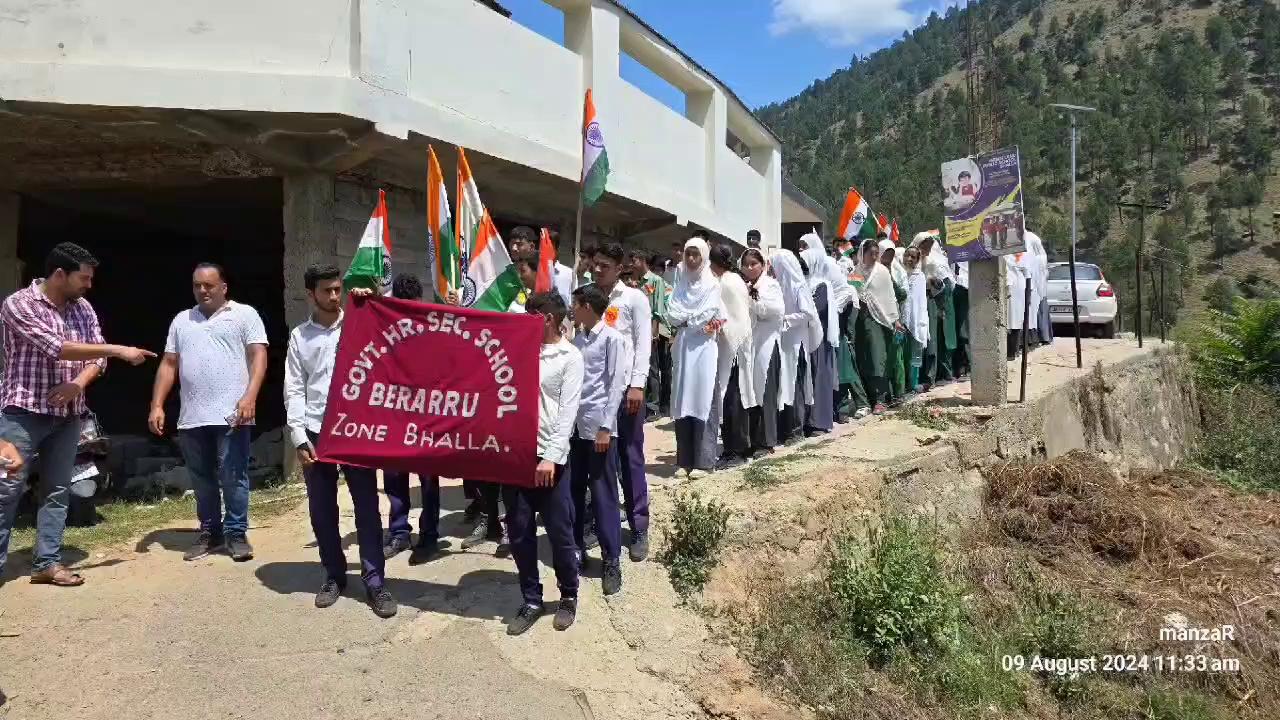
(1095, 296)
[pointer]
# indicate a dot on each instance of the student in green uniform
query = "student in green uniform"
(877, 324)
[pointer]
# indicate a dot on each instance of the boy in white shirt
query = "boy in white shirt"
(560, 380)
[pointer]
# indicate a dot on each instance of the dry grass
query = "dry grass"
(1143, 547)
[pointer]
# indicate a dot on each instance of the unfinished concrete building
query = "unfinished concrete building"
(160, 135)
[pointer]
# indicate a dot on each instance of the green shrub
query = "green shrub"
(894, 592)
(1240, 347)
(929, 417)
(1241, 440)
(697, 532)
(771, 471)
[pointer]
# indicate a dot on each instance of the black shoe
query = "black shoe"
(525, 619)
(590, 541)
(639, 549)
(424, 552)
(611, 578)
(238, 548)
(472, 512)
(481, 533)
(329, 593)
(729, 462)
(380, 599)
(205, 544)
(565, 614)
(504, 544)
(396, 545)
(761, 452)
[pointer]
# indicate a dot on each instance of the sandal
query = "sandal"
(57, 574)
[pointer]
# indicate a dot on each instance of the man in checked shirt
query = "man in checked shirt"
(53, 349)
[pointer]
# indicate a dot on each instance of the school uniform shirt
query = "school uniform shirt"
(559, 393)
(606, 363)
(308, 366)
(628, 313)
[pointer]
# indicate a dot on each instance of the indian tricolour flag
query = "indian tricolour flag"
(442, 243)
(371, 266)
(595, 160)
(491, 281)
(856, 220)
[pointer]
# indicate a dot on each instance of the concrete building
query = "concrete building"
(257, 134)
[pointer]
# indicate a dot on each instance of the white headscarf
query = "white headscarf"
(796, 296)
(820, 276)
(877, 288)
(896, 269)
(1041, 279)
(737, 305)
(936, 265)
(696, 298)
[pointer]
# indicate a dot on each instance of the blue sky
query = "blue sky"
(765, 50)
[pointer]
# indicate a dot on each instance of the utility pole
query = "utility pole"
(1137, 254)
(1071, 257)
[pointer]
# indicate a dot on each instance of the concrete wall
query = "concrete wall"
(1140, 413)
(448, 69)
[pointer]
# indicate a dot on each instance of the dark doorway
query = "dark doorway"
(148, 241)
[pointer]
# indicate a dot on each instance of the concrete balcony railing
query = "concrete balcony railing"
(450, 70)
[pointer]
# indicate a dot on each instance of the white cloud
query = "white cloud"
(843, 23)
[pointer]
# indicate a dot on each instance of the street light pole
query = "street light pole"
(1071, 257)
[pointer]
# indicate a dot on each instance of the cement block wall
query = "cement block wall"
(1140, 413)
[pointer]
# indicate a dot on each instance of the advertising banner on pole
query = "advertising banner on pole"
(435, 390)
(982, 199)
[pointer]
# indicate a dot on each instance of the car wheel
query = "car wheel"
(1108, 331)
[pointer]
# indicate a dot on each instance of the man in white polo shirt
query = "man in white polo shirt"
(218, 350)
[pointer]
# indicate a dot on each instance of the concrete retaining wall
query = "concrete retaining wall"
(1141, 412)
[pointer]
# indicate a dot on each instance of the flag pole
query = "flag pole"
(577, 223)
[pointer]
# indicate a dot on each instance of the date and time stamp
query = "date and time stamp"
(1193, 661)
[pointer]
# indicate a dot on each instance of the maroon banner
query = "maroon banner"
(435, 390)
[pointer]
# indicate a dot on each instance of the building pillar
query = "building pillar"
(308, 235)
(10, 266)
(988, 331)
(768, 162)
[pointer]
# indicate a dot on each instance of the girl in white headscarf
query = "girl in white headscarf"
(801, 333)
(696, 312)
(942, 325)
(915, 317)
(877, 324)
(1021, 267)
(1041, 286)
(735, 374)
(767, 310)
(820, 417)
(960, 363)
(898, 362)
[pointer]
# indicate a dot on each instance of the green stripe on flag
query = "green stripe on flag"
(593, 184)
(501, 293)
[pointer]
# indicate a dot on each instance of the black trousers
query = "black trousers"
(689, 442)
(735, 430)
(762, 418)
(658, 391)
(791, 417)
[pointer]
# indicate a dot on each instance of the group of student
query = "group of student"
(767, 348)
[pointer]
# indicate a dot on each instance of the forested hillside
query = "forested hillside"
(1186, 92)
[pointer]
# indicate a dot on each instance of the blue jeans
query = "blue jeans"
(218, 463)
(55, 439)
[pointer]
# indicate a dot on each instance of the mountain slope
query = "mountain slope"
(1186, 116)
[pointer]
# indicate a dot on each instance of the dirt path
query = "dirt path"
(150, 636)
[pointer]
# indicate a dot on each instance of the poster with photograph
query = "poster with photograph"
(982, 200)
